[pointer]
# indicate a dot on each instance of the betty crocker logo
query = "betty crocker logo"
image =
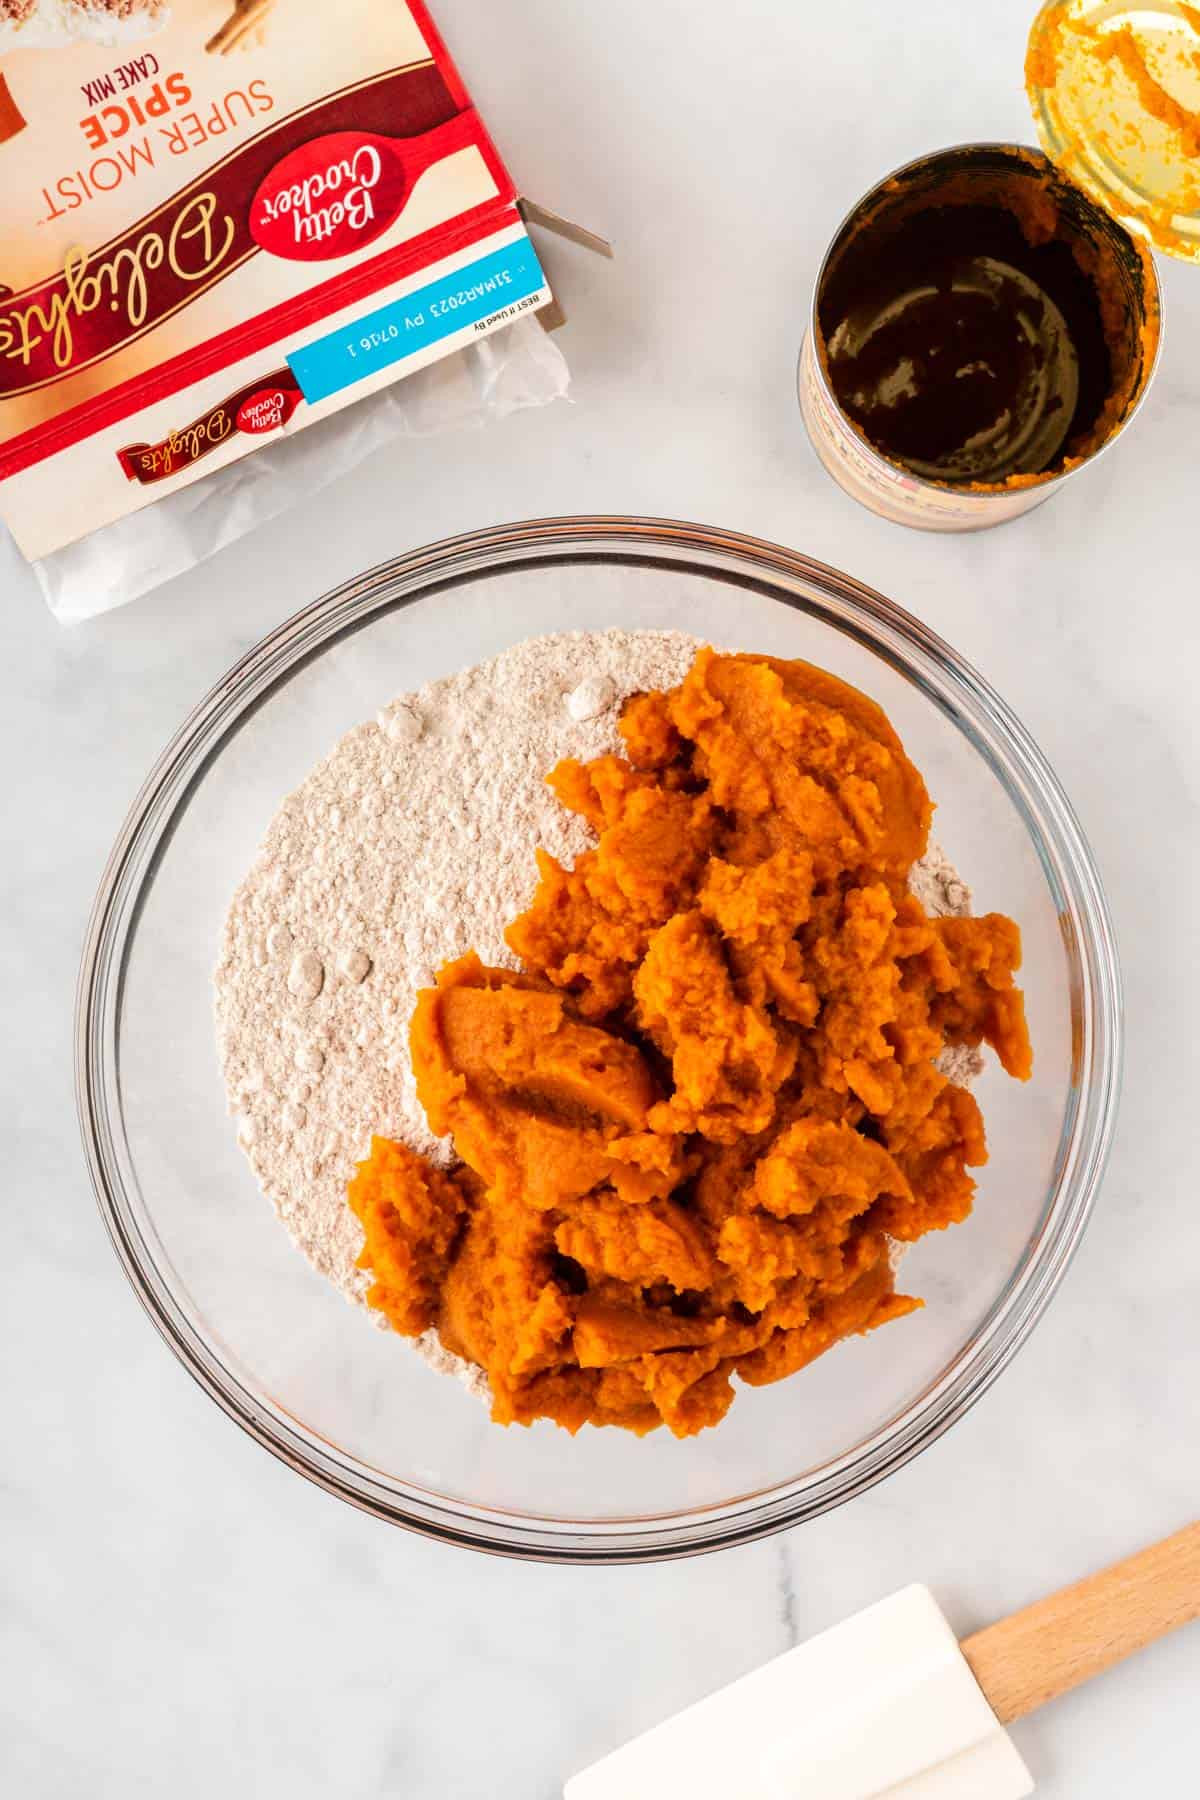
(340, 192)
(328, 197)
(262, 406)
(265, 411)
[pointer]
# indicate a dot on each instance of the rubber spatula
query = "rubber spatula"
(888, 1703)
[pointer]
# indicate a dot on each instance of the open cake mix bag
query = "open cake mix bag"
(240, 250)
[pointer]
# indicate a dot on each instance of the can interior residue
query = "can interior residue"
(981, 322)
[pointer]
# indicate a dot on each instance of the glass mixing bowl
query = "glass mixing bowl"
(354, 1408)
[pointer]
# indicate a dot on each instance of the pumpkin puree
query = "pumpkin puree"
(690, 1126)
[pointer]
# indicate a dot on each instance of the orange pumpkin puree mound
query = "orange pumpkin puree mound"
(692, 1125)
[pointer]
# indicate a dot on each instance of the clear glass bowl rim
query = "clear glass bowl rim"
(913, 651)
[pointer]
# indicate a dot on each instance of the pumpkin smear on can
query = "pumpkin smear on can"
(693, 1125)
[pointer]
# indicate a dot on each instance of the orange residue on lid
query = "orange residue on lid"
(1148, 133)
(1123, 46)
(1041, 58)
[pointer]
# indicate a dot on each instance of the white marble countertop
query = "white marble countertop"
(181, 1614)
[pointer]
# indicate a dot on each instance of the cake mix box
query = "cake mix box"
(218, 225)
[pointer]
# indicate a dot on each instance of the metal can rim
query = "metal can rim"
(981, 495)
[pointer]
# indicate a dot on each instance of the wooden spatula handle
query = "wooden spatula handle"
(1052, 1646)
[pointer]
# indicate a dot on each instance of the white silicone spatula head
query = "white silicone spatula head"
(881, 1704)
(888, 1704)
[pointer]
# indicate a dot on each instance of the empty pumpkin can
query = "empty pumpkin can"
(987, 319)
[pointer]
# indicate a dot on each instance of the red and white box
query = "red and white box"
(201, 253)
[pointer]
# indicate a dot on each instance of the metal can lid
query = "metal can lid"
(1115, 91)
